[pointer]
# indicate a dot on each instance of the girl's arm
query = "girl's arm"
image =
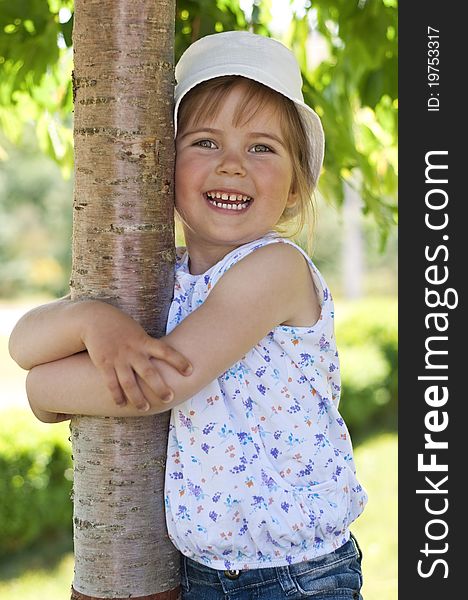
(47, 333)
(65, 328)
(269, 287)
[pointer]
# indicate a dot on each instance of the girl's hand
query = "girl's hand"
(121, 349)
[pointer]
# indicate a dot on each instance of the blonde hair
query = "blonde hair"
(207, 98)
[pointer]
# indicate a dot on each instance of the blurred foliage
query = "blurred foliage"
(35, 223)
(379, 276)
(353, 87)
(35, 69)
(367, 338)
(355, 93)
(35, 481)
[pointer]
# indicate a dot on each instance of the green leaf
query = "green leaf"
(67, 30)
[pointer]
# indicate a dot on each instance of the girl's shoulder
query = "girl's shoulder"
(277, 246)
(278, 251)
(286, 261)
(281, 271)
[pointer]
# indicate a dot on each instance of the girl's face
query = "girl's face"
(232, 183)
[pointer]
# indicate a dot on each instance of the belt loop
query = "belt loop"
(356, 545)
(184, 572)
(285, 580)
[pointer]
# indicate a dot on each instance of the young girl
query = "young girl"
(260, 479)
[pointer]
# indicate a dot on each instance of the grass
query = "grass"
(376, 529)
(44, 571)
(47, 570)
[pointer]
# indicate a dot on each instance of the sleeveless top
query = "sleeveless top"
(260, 469)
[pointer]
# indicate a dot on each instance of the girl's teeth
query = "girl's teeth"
(229, 206)
(226, 196)
(240, 201)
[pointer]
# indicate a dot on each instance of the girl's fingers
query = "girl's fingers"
(131, 389)
(163, 351)
(112, 384)
(153, 379)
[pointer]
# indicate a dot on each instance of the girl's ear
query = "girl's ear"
(292, 198)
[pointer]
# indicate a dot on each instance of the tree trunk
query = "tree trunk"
(123, 252)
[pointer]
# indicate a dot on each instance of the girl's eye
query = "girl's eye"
(260, 148)
(205, 144)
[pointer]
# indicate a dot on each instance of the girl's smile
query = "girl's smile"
(230, 200)
(233, 181)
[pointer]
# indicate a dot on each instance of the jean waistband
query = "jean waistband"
(284, 575)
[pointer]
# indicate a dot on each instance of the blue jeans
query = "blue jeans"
(334, 576)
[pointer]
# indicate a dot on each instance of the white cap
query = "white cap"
(256, 57)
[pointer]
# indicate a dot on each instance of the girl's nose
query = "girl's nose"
(231, 164)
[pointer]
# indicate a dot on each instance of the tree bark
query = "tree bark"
(123, 252)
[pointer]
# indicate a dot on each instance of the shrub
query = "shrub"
(35, 480)
(367, 338)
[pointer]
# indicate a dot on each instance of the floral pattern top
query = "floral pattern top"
(260, 467)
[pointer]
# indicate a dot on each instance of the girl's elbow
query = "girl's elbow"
(31, 386)
(33, 389)
(13, 350)
(17, 353)
(33, 395)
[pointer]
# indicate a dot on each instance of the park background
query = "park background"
(347, 50)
